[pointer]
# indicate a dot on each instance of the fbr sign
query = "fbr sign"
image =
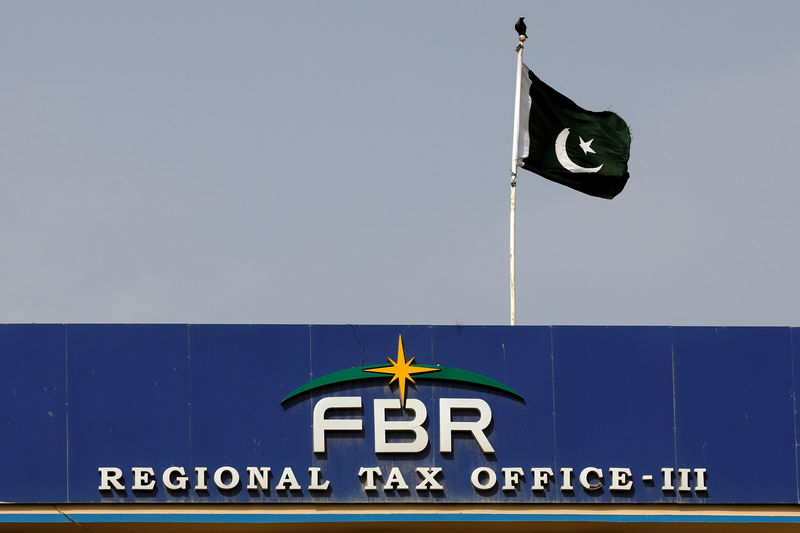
(383, 427)
(316, 414)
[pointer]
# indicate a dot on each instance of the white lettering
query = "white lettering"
(288, 481)
(322, 424)
(219, 480)
(683, 478)
(591, 478)
(180, 483)
(110, 477)
(584, 478)
(620, 479)
(143, 478)
(316, 477)
(667, 474)
(447, 425)
(202, 475)
(491, 478)
(429, 482)
(700, 476)
(540, 478)
(383, 426)
(370, 473)
(258, 478)
(395, 480)
(511, 477)
(566, 480)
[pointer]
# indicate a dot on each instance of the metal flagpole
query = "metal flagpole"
(514, 167)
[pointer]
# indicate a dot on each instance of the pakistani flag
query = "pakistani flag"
(585, 150)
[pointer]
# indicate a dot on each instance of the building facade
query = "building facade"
(296, 427)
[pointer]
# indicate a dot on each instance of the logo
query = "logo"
(402, 371)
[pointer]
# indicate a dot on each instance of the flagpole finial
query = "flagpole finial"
(522, 30)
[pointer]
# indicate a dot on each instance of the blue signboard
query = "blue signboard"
(357, 414)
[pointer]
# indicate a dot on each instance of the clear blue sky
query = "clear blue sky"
(335, 162)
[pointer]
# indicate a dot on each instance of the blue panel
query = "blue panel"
(613, 404)
(128, 396)
(735, 411)
(33, 453)
(79, 397)
(239, 375)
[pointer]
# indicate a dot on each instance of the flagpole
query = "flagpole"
(514, 167)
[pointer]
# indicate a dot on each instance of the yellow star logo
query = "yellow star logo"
(402, 370)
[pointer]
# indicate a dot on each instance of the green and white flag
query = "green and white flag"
(585, 150)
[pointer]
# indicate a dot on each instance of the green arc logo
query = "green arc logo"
(402, 372)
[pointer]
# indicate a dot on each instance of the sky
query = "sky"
(348, 162)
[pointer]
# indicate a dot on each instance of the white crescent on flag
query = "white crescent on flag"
(563, 158)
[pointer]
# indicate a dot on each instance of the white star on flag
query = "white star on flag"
(586, 145)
